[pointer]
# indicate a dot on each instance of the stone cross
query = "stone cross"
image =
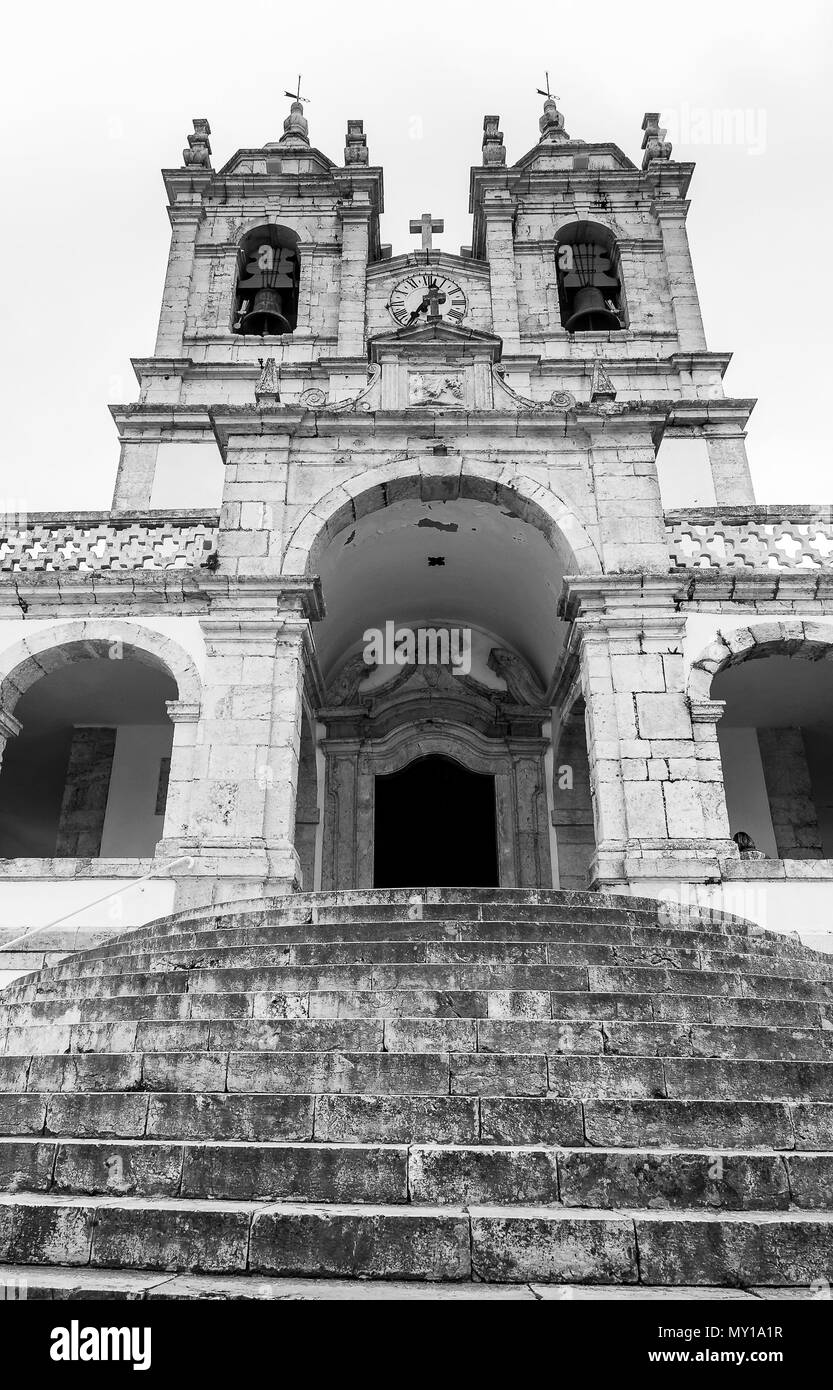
(426, 224)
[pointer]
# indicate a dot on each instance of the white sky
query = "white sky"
(97, 96)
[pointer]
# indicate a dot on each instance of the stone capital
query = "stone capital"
(183, 711)
(705, 711)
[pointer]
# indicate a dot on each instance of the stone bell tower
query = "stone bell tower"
(320, 393)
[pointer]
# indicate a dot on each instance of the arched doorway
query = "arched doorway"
(435, 822)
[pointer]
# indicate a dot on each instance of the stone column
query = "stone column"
(671, 216)
(499, 211)
(793, 809)
(86, 788)
(184, 716)
(184, 223)
(355, 218)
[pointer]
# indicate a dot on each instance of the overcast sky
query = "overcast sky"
(97, 97)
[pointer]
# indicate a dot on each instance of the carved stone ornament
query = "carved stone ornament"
(316, 399)
(199, 148)
(494, 150)
(436, 388)
(558, 400)
(267, 390)
(520, 682)
(654, 143)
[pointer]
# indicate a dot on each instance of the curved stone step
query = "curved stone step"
(424, 1035)
(513, 1120)
(495, 1004)
(495, 1243)
(409, 1073)
(440, 1175)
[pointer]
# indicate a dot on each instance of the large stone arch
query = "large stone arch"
(441, 479)
(47, 649)
(810, 641)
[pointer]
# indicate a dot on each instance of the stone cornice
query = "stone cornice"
(711, 412)
(744, 587)
(283, 422)
(621, 599)
(133, 592)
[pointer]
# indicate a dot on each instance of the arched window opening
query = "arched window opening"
(268, 275)
(87, 775)
(776, 747)
(589, 279)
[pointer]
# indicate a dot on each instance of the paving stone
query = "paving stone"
(416, 1242)
(537, 1243)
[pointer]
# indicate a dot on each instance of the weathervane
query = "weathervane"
(548, 94)
(296, 96)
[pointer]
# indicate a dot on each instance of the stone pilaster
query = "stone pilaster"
(685, 302)
(355, 247)
(184, 223)
(499, 210)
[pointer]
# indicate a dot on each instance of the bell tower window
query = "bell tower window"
(589, 280)
(268, 273)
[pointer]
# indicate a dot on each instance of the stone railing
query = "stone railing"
(99, 541)
(765, 537)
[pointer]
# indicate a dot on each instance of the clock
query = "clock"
(410, 299)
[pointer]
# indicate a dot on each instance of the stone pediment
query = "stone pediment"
(548, 156)
(437, 339)
(436, 366)
(271, 160)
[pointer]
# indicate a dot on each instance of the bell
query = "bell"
(266, 315)
(590, 313)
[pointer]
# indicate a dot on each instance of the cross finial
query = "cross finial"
(296, 95)
(548, 94)
(426, 224)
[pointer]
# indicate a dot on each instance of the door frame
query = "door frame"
(521, 804)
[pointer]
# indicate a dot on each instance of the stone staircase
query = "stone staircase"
(462, 1089)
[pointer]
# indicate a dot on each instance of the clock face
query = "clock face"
(410, 299)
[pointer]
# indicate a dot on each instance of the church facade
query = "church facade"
(422, 569)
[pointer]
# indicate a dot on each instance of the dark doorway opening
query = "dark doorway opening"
(435, 825)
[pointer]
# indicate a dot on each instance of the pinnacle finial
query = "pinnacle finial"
(551, 124)
(494, 150)
(296, 126)
(199, 146)
(654, 143)
(355, 149)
